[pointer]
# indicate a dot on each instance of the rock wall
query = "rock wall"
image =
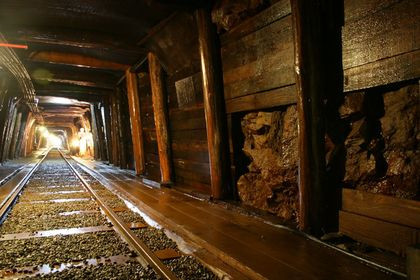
(382, 155)
(228, 13)
(271, 144)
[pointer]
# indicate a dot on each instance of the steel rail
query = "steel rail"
(138, 245)
(11, 197)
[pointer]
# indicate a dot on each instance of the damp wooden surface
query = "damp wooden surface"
(15, 174)
(380, 42)
(255, 248)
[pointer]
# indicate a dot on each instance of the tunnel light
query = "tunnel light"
(61, 100)
(75, 143)
(45, 133)
(54, 141)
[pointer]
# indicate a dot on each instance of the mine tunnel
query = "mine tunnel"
(219, 139)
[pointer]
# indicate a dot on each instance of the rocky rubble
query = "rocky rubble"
(382, 155)
(271, 144)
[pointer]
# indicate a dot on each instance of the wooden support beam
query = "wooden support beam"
(114, 132)
(44, 71)
(4, 109)
(101, 135)
(70, 88)
(161, 118)
(413, 262)
(27, 141)
(9, 131)
(317, 44)
(15, 136)
(213, 105)
(19, 147)
(120, 130)
(82, 39)
(135, 119)
(77, 60)
(81, 96)
(310, 129)
(107, 125)
(94, 132)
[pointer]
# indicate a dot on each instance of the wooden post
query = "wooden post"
(114, 132)
(135, 120)
(19, 141)
(4, 109)
(107, 124)
(94, 130)
(120, 131)
(413, 262)
(15, 135)
(213, 105)
(161, 119)
(5, 122)
(317, 26)
(9, 133)
(100, 130)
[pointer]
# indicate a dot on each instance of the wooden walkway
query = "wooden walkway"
(256, 249)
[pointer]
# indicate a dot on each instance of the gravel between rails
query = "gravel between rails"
(40, 196)
(30, 223)
(55, 188)
(55, 176)
(130, 217)
(155, 239)
(130, 270)
(60, 249)
(39, 209)
(188, 268)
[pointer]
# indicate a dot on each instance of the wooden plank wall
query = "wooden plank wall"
(258, 71)
(152, 167)
(258, 61)
(383, 221)
(380, 47)
(187, 127)
(188, 132)
(381, 42)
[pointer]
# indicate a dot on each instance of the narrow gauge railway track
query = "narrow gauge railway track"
(60, 223)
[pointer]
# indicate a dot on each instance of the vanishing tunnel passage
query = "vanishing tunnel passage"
(224, 139)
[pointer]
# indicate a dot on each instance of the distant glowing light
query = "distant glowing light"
(54, 141)
(75, 143)
(60, 100)
(45, 134)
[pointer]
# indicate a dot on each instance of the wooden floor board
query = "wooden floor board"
(260, 248)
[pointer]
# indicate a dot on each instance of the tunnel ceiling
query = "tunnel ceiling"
(80, 49)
